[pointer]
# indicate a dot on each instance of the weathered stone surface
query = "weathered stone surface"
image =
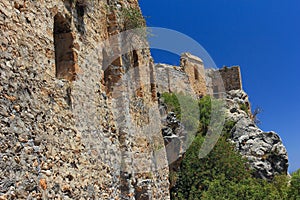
(174, 135)
(194, 68)
(231, 77)
(193, 79)
(265, 151)
(66, 140)
(92, 129)
(172, 79)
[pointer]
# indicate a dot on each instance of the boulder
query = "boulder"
(264, 150)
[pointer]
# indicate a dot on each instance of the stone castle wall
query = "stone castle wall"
(172, 79)
(194, 68)
(191, 78)
(79, 118)
(70, 128)
(231, 77)
(223, 80)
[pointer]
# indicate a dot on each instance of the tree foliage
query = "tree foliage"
(224, 173)
(132, 18)
(196, 175)
(172, 103)
(294, 189)
(205, 113)
(185, 108)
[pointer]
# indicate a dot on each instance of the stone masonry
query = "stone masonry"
(231, 77)
(79, 116)
(77, 119)
(172, 79)
(194, 68)
(191, 78)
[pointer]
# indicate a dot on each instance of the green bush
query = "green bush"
(187, 111)
(196, 174)
(249, 188)
(223, 173)
(294, 189)
(228, 126)
(244, 107)
(205, 113)
(132, 18)
(172, 103)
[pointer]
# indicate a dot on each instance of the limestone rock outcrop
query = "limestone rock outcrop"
(264, 150)
(174, 136)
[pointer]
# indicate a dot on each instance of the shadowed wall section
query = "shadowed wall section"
(66, 58)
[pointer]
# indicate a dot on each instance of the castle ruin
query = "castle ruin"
(79, 120)
(192, 78)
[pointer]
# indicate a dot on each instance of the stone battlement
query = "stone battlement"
(192, 78)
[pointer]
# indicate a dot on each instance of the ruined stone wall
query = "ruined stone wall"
(215, 84)
(231, 77)
(223, 80)
(172, 79)
(63, 133)
(191, 78)
(194, 68)
(162, 77)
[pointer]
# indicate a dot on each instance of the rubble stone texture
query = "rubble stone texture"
(79, 118)
(231, 78)
(194, 68)
(172, 79)
(69, 127)
(193, 79)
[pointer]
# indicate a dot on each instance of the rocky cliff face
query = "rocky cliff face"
(264, 150)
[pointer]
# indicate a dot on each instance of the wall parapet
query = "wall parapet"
(192, 78)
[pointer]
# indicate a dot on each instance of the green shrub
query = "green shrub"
(187, 111)
(205, 113)
(228, 126)
(132, 18)
(223, 173)
(244, 107)
(172, 103)
(194, 114)
(196, 174)
(249, 188)
(294, 189)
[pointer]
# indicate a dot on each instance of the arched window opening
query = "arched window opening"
(135, 58)
(137, 74)
(105, 67)
(196, 73)
(152, 82)
(66, 57)
(80, 9)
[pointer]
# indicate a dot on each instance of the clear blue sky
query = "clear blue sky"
(262, 36)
